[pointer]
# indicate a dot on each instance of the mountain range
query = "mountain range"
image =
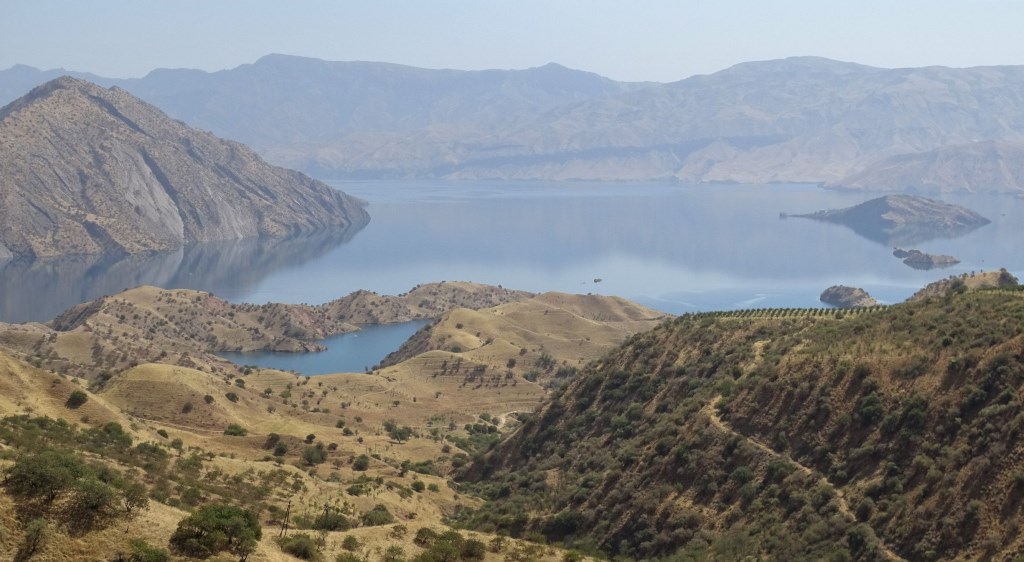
(801, 119)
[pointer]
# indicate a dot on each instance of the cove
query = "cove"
(354, 352)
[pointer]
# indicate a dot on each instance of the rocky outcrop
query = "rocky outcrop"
(903, 219)
(920, 260)
(842, 296)
(86, 170)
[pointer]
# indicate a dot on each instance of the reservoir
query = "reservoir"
(674, 247)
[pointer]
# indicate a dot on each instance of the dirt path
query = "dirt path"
(711, 411)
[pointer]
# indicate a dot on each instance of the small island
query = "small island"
(841, 296)
(920, 260)
(903, 219)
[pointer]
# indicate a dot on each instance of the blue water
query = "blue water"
(354, 352)
(677, 248)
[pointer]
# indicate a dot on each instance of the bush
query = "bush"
(208, 399)
(425, 537)
(350, 543)
(143, 552)
(313, 455)
(361, 463)
(300, 545)
(379, 515)
(332, 520)
(76, 399)
(418, 486)
(231, 396)
(186, 407)
(235, 430)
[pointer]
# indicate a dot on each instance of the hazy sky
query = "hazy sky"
(662, 40)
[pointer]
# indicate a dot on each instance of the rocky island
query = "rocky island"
(842, 296)
(903, 219)
(920, 260)
(88, 170)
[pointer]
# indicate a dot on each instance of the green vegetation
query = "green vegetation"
(76, 399)
(779, 434)
(217, 527)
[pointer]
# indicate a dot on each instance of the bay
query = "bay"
(354, 352)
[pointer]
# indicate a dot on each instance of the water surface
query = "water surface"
(674, 247)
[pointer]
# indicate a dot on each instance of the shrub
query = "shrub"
(350, 543)
(362, 462)
(186, 407)
(425, 537)
(379, 515)
(313, 455)
(300, 545)
(235, 430)
(143, 552)
(231, 396)
(208, 399)
(76, 399)
(418, 486)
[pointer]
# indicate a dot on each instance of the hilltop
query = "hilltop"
(89, 170)
(883, 435)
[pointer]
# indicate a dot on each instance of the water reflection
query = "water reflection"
(38, 290)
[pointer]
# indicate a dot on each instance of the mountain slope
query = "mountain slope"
(988, 166)
(883, 435)
(88, 170)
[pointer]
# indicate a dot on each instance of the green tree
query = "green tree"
(47, 474)
(214, 528)
(134, 496)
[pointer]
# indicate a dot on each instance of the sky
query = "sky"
(655, 40)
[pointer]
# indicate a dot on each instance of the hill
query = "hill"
(186, 328)
(305, 450)
(803, 119)
(903, 219)
(888, 434)
(89, 170)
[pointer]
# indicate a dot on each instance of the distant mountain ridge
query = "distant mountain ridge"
(88, 170)
(802, 119)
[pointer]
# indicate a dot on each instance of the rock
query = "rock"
(921, 260)
(87, 170)
(842, 296)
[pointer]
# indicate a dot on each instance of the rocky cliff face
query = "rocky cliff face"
(86, 170)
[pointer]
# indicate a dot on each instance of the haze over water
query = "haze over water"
(673, 247)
